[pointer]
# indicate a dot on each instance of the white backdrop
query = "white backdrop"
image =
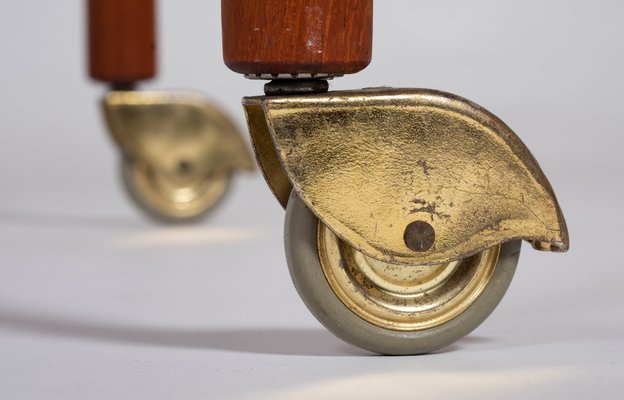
(98, 302)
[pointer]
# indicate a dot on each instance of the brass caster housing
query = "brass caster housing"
(179, 151)
(405, 210)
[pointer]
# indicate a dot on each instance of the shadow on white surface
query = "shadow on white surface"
(260, 340)
(51, 220)
(278, 341)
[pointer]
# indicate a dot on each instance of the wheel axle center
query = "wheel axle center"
(419, 236)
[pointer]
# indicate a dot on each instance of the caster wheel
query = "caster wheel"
(391, 308)
(173, 197)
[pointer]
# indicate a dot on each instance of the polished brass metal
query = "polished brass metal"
(368, 163)
(179, 149)
(402, 297)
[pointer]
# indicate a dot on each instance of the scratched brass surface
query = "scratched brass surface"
(403, 297)
(179, 149)
(370, 162)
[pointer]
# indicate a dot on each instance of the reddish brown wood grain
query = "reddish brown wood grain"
(121, 40)
(297, 36)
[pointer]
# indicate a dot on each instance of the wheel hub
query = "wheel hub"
(398, 296)
(179, 194)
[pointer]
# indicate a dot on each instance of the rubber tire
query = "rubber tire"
(152, 212)
(300, 237)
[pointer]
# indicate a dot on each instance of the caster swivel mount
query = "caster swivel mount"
(179, 151)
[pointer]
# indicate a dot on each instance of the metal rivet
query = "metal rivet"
(419, 236)
(184, 168)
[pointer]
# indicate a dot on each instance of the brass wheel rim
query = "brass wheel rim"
(402, 297)
(178, 195)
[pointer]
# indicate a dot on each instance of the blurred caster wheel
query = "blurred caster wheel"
(178, 196)
(391, 308)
